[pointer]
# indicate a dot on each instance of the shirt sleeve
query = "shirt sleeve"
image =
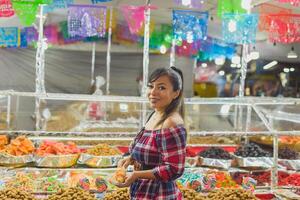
(171, 143)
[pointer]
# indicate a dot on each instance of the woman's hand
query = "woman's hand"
(125, 162)
(129, 180)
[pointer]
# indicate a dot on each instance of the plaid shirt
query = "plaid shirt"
(163, 151)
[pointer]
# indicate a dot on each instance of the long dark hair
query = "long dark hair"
(176, 77)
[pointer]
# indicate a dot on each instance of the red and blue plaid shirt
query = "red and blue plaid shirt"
(163, 151)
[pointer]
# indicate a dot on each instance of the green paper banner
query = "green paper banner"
(230, 6)
(27, 10)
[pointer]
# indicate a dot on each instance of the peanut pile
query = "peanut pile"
(72, 194)
(16, 194)
(119, 194)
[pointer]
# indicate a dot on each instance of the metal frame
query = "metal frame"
(252, 105)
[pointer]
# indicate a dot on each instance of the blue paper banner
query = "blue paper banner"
(191, 4)
(189, 25)
(239, 28)
(9, 36)
(57, 4)
(213, 48)
(23, 42)
(100, 1)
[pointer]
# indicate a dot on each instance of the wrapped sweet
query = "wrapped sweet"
(84, 183)
(191, 180)
(249, 184)
(100, 184)
(119, 176)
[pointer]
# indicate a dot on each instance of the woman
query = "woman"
(159, 148)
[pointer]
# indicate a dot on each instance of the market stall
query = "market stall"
(218, 157)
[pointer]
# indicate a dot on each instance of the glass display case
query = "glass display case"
(90, 120)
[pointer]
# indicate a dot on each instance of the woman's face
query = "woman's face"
(160, 93)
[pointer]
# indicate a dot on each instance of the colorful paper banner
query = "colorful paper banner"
(86, 21)
(9, 36)
(265, 10)
(31, 34)
(6, 9)
(190, 3)
(230, 6)
(284, 28)
(239, 28)
(188, 49)
(100, 1)
(161, 36)
(189, 25)
(66, 38)
(51, 33)
(26, 10)
(134, 16)
(212, 48)
(57, 4)
(23, 41)
(292, 2)
(123, 35)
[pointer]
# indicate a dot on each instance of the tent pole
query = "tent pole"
(108, 57)
(40, 67)
(172, 53)
(93, 63)
(145, 59)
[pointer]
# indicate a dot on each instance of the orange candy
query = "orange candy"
(57, 148)
(20, 146)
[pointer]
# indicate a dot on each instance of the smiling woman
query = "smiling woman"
(158, 151)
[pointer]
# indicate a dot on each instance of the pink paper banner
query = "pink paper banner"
(123, 35)
(51, 33)
(292, 2)
(135, 17)
(6, 9)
